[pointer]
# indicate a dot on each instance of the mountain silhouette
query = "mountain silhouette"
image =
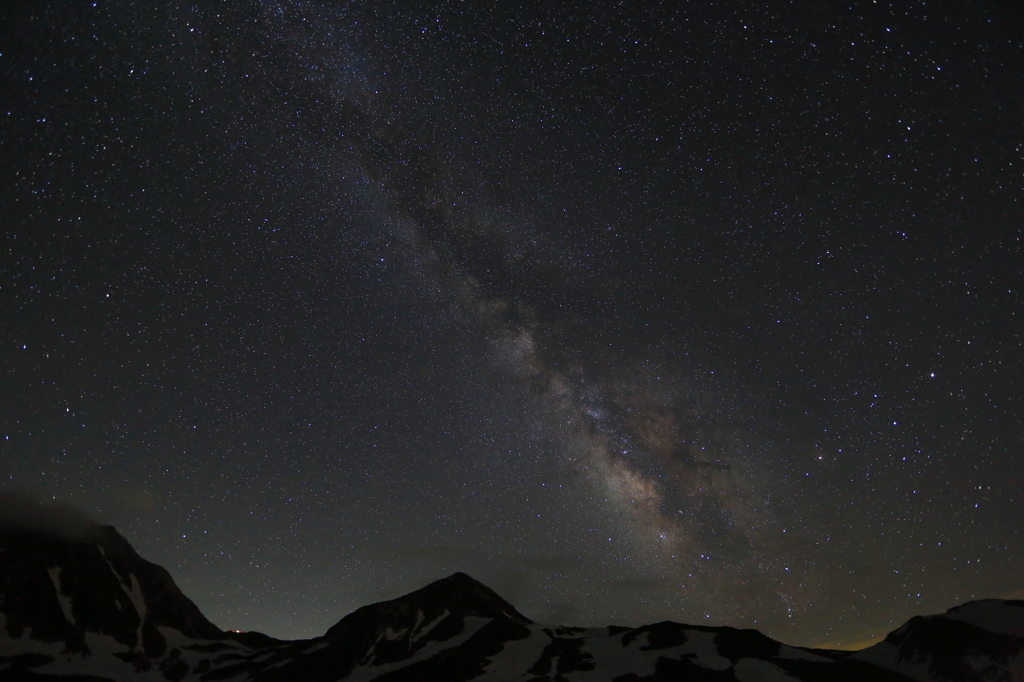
(85, 607)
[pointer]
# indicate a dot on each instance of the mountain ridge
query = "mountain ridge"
(86, 606)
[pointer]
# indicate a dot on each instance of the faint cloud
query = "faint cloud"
(27, 510)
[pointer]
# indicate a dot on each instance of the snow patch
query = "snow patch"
(138, 600)
(886, 655)
(428, 627)
(703, 645)
(316, 647)
(517, 656)
(391, 634)
(65, 601)
(25, 644)
(611, 659)
(793, 654)
(366, 672)
(419, 619)
(101, 662)
(757, 670)
(103, 554)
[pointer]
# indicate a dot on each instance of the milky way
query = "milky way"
(698, 313)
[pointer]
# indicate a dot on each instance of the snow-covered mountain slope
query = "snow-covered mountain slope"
(981, 640)
(90, 605)
(89, 609)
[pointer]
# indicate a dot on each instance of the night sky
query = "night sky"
(706, 311)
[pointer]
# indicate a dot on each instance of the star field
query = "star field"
(702, 312)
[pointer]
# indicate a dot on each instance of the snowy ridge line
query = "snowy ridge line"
(73, 608)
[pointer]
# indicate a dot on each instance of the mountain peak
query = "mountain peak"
(459, 577)
(466, 596)
(457, 596)
(60, 586)
(85, 602)
(979, 640)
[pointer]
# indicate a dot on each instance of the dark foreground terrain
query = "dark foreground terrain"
(90, 609)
